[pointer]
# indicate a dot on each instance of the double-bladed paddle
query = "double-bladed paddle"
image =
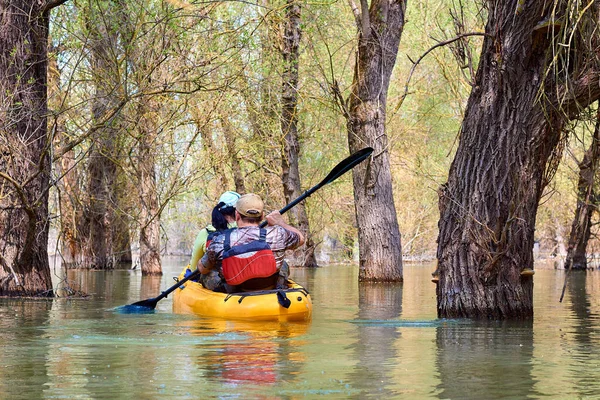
(343, 166)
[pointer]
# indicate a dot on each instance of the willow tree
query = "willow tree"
(380, 27)
(587, 203)
(109, 241)
(24, 145)
(290, 51)
(145, 134)
(537, 70)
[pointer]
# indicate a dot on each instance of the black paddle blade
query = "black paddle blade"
(343, 166)
(347, 164)
(140, 307)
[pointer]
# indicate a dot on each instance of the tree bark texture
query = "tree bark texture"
(70, 195)
(508, 150)
(24, 145)
(587, 203)
(109, 241)
(290, 172)
(234, 159)
(380, 251)
(73, 229)
(147, 130)
(102, 176)
(148, 194)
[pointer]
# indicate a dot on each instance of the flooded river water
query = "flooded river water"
(372, 341)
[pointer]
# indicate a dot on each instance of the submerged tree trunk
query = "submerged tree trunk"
(380, 29)
(508, 151)
(109, 241)
(72, 225)
(24, 145)
(587, 203)
(149, 208)
(290, 172)
(71, 220)
(121, 236)
(102, 174)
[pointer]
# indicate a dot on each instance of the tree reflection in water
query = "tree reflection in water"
(585, 330)
(487, 359)
(22, 323)
(375, 345)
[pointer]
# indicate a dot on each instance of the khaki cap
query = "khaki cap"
(250, 205)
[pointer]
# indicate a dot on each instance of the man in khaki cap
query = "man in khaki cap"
(249, 257)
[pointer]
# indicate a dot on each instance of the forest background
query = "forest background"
(228, 57)
(156, 108)
(207, 78)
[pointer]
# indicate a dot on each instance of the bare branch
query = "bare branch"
(52, 4)
(440, 44)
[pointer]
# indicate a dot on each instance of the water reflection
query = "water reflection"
(21, 324)
(150, 287)
(364, 341)
(104, 285)
(256, 353)
(485, 360)
(584, 334)
(375, 345)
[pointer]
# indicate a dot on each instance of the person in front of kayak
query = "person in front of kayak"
(222, 218)
(252, 258)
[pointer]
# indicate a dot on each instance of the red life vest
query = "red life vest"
(247, 261)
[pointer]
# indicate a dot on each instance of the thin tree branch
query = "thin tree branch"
(52, 4)
(415, 63)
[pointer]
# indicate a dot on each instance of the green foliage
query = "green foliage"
(193, 70)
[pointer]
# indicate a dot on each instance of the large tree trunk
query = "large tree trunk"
(109, 241)
(24, 155)
(149, 209)
(71, 220)
(380, 252)
(508, 150)
(72, 223)
(587, 203)
(102, 175)
(290, 173)
(236, 167)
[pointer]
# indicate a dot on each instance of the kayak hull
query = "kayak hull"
(193, 298)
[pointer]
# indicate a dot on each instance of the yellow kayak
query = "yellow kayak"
(264, 305)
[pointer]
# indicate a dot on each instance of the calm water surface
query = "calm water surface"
(375, 341)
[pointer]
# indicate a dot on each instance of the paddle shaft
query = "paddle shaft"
(340, 169)
(181, 282)
(296, 201)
